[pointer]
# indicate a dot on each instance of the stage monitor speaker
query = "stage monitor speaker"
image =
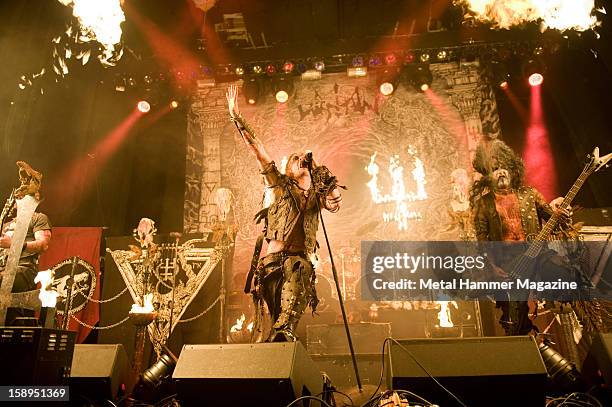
(35, 356)
(487, 371)
(98, 371)
(262, 374)
(601, 352)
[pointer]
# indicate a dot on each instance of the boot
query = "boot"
(293, 303)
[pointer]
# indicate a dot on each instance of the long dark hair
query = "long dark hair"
(490, 155)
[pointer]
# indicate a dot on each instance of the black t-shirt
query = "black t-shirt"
(39, 221)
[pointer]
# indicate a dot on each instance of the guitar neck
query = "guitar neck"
(549, 226)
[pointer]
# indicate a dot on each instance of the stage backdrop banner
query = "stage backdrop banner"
(405, 158)
(83, 242)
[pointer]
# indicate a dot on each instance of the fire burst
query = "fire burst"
(444, 316)
(100, 20)
(399, 195)
(47, 297)
(239, 325)
(557, 14)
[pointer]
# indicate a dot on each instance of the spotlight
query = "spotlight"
(386, 80)
(390, 59)
(357, 61)
(174, 104)
(162, 369)
(239, 71)
(288, 67)
(374, 60)
(283, 88)
(386, 88)
(442, 55)
(270, 69)
(319, 66)
(424, 57)
(536, 79)
(561, 372)
(257, 69)
(251, 90)
(504, 85)
(143, 106)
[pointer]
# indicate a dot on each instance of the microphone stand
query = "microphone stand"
(335, 273)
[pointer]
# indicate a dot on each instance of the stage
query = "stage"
(306, 203)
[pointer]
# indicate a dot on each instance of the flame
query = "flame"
(238, 326)
(100, 20)
(444, 316)
(47, 297)
(556, 14)
(146, 308)
(399, 195)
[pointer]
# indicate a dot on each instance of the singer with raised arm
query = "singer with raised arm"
(284, 278)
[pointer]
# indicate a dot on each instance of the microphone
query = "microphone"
(307, 161)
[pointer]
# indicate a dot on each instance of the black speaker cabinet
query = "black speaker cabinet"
(98, 371)
(486, 371)
(262, 374)
(601, 353)
(35, 356)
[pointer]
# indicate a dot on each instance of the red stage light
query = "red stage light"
(143, 106)
(536, 79)
(270, 69)
(390, 59)
(288, 67)
(409, 58)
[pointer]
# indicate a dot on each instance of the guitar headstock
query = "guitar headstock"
(596, 162)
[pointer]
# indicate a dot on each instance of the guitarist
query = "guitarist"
(506, 210)
(37, 241)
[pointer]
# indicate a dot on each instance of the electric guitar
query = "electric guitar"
(513, 317)
(8, 207)
(520, 264)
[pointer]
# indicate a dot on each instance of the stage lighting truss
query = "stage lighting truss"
(387, 80)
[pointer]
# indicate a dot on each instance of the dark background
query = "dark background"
(145, 176)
